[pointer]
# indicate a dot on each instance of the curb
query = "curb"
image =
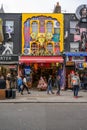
(43, 102)
(15, 102)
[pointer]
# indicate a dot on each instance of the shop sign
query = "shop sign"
(70, 63)
(78, 59)
(85, 64)
(8, 58)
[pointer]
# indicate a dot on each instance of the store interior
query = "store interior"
(39, 73)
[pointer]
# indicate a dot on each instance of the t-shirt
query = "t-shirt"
(24, 80)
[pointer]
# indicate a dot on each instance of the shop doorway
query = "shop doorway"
(39, 72)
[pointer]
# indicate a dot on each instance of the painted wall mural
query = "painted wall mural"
(6, 44)
(42, 34)
(80, 35)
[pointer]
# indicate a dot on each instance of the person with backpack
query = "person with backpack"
(75, 82)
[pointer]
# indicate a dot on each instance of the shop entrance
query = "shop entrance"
(38, 73)
(5, 69)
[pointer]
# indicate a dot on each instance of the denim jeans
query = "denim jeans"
(82, 85)
(49, 88)
(19, 88)
(75, 90)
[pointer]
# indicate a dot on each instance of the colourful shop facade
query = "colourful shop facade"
(75, 43)
(42, 43)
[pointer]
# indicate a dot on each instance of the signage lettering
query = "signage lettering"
(5, 58)
(8, 58)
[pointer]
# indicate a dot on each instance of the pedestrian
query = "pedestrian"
(82, 80)
(75, 81)
(19, 83)
(8, 80)
(25, 86)
(49, 89)
(57, 83)
(2, 82)
(85, 81)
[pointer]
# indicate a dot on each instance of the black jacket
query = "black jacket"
(2, 84)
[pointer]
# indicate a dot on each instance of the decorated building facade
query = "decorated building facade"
(75, 41)
(10, 41)
(42, 43)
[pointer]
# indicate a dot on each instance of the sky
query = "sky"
(40, 6)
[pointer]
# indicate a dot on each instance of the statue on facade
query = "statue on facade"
(57, 8)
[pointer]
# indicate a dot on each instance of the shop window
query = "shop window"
(74, 47)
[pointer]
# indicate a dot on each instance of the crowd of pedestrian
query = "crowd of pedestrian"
(77, 81)
(14, 82)
(21, 82)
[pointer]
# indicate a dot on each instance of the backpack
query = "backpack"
(75, 80)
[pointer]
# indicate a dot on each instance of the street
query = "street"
(43, 116)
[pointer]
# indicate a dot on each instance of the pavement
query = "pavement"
(42, 97)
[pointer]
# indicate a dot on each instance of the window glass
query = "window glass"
(34, 26)
(49, 27)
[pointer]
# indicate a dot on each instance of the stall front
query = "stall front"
(40, 67)
(42, 43)
(75, 61)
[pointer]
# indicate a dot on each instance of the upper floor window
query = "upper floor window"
(34, 26)
(49, 27)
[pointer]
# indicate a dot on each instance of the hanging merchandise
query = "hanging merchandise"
(47, 65)
(57, 64)
(52, 65)
(85, 64)
(35, 66)
(27, 70)
(42, 85)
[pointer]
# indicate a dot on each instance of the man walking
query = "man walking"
(50, 85)
(75, 82)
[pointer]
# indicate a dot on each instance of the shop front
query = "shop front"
(76, 42)
(10, 39)
(38, 68)
(75, 61)
(9, 64)
(42, 43)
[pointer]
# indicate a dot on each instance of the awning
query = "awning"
(40, 59)
(76, 53)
